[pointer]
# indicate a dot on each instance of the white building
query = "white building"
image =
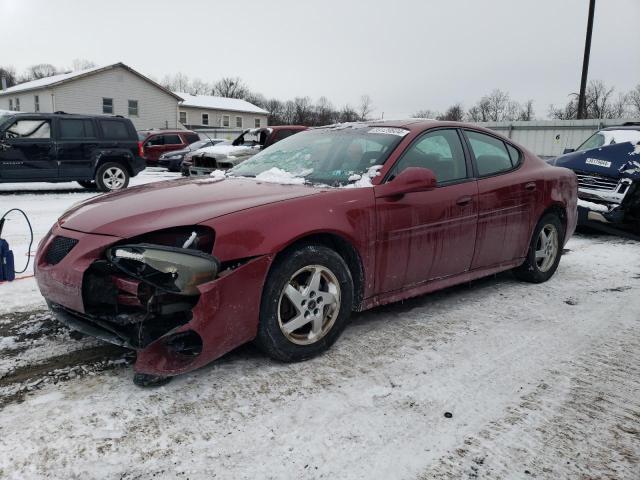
(205, 111)
(114, 90)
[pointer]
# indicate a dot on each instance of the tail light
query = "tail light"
(140, 150)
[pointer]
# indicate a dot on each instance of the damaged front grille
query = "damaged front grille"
(58, 249)
(596, 182)
(206, 162)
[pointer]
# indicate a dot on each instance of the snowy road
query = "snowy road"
(542, 381)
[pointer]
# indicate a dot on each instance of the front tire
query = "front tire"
(306, 303)
(111, 177)
(545, 250)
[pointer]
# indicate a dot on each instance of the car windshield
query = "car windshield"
(609, 137)
(331, 156)
(199, 144)
(5, 119)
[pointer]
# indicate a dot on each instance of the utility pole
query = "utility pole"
(585, 62)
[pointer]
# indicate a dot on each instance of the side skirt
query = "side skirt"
(438, 284)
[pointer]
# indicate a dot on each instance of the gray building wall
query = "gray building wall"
(156, 108)
(194, 118)
(548, 138)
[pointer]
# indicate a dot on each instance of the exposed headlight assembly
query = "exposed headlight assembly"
(171, 269)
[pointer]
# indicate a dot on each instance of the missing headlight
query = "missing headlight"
(170, 269)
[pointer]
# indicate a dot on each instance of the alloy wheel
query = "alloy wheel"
(114, 178)
(547, 247)
(309, 305)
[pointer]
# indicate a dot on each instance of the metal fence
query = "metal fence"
(548, 138)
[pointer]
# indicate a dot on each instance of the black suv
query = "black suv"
(96, 151)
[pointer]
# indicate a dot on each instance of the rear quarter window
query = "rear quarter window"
(114, 130)
(191, 138)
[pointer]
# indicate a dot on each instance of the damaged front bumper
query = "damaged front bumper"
(173, 330)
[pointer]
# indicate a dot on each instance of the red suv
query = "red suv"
(154, 143)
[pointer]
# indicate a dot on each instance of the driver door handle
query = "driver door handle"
(530, 187)
(462, 201)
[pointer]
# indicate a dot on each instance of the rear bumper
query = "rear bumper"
(138, 165)
(224, 315)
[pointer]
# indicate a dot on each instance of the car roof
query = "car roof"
(64, 115)
(622, 127)
(411, 124)
(163, 131)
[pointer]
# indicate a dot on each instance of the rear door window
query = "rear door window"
(76, 128)
(191, 138)
(491, 153)
(114, 130)
(172, 140)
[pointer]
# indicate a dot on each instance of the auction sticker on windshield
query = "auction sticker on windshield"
(600, 163)
(401, 132)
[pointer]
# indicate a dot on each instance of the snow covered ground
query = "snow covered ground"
(540, 381)
(43, 203)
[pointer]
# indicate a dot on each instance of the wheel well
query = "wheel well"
(121, 159)
(348, 253)
(559, 210)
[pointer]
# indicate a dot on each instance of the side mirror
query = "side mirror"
(412, 179)
(568, 150)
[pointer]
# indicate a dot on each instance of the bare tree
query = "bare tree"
(303, 110)
(41, 70)
(200, 87)
(289, 113)
(325, 114)
(256, 98)
(177, 83)
(526, 111)
(425, 113)
(81, 64)
(366, 107)
(231, 87)
(599, 99)
(276, 111)
(455, 113)
(634, 101)
(348, 114)
(9, 75)
(599, 103)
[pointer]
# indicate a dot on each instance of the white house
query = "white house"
(114, 90)
(205, 111)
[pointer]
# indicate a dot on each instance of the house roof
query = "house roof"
(61, 78)
(219, 103)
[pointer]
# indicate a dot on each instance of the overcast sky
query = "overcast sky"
(407, 55)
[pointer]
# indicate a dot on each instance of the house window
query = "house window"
(225, 120)
(239, 122)
(133, 108)
(17, 104)
(205, 119)
(107, 105)
(36, 103)
(183, 118)
(10, 104)
(257, 123)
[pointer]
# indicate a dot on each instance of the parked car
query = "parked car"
(157, 142)
(173, 160)
(96, 151)
(608, 168)
(247, 144)
(329, 221)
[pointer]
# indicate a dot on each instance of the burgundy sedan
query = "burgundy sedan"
(282, 250)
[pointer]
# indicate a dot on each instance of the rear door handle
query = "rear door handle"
(462, 201)
(531, 186)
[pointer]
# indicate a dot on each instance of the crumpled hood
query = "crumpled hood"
(227, 150)
(173, 203)
(615, 161)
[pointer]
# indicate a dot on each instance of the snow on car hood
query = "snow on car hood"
(226, 150)
(155, 206)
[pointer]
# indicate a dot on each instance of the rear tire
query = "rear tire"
(306, 303)
(545, 250)
(112, 176)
